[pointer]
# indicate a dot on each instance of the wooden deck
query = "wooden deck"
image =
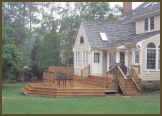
(92, 86)
(89, 87)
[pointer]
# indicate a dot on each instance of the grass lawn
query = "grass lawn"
(15, 102)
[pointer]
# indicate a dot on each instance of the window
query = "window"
(151, 56)
(96, 57)
(112, 58)
(146, 24)
(77, 59)
(159, 57)
(136, 57)
(151, 23)
(81, 40)
(122, 58)
(85, 58)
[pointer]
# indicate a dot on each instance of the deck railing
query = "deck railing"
(136, 78)
(110, 74)
(50, 74)
(85, 72)
(137, 67)
(120, 78)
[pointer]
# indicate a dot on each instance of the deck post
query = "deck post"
(116, 80)
(125, 86)
(107, 79)
(81, 74)
(89, 71)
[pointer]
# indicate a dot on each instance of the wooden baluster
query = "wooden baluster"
(125, 86)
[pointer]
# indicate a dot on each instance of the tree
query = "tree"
(96, 11)
(10, 54)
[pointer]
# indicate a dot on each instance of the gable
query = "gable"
(83, 37)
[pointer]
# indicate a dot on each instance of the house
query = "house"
(133, 40)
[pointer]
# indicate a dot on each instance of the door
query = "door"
(97, 62)
(136, 58)
(122, 58)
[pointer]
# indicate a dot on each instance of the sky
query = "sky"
(134, 4)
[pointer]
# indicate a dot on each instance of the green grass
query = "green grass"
(15, 102)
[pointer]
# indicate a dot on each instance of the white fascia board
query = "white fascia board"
(123, 47)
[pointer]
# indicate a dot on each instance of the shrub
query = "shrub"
(151, 87)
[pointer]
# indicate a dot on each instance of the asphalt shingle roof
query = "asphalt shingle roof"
(114, 32)
(119, 33)
(140, 10)
(132, 39)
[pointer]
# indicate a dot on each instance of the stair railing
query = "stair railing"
(85, 72)
(136, 78)
(110, 74)
(122, 79)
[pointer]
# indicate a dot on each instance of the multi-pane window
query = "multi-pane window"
(146, 24)
(137, 57)
(77, 59)
(151, 56)
(122, 58)
(96, 57)
(151, 23)
(85, 58)
(159, 57)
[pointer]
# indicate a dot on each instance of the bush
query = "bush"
(151, 87)
(6, 81)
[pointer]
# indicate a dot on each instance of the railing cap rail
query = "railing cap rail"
(121, 72)
(85, 67)
(110, 69)
(135, 71)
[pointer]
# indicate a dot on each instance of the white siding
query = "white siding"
(157, 23)
(140, 25)
(80, 48)
(153, 75)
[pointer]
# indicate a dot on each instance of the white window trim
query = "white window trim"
(85, 57)
(133, 56)
(77, 60)
(156, 68)
(149, 30)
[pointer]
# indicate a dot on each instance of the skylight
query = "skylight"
(103, 36)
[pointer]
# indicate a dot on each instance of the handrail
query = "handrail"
(138, 79)
(135, 83)
(135, 71)
(85, 67)
(121, 72)
(110, 69)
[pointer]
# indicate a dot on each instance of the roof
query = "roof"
(133, 39)
(143, 9)
(113, 31)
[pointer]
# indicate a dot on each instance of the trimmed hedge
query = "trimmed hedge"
(155, 86)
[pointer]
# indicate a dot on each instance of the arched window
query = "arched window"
(151, 56)
(81, 40)
(159, 57)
